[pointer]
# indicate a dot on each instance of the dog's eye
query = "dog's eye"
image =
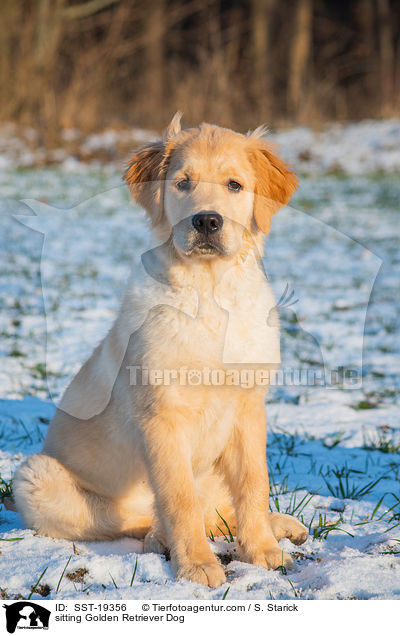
(234, 186)
(183, 185)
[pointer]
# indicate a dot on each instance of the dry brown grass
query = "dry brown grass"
(95, 63)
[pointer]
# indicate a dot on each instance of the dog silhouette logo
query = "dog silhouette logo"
(26, 615)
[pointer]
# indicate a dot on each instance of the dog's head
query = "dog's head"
(204, 186)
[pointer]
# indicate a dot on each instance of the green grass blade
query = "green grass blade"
(226, 593)
(63, 572)
(113, 580)
(223, 533)
(37, 583)
(134, 573)
(226, 525)
(378, 506)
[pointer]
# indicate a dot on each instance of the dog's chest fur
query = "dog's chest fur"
(205, 320)
(209, 318)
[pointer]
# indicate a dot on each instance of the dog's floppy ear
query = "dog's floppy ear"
(275, 183)
(145, 174)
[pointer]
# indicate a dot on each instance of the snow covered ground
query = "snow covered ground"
(333, 453)
(351, 148)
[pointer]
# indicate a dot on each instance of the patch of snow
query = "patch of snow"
(357, 148)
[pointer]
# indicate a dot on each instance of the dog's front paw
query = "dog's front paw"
(288, 527)
(210, 574)
(269, 557)
(277, 558)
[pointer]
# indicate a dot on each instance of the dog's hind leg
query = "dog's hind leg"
(50, 500)
(154, 540)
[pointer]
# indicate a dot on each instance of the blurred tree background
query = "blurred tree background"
(94, 63)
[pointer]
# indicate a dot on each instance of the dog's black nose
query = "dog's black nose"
(207, 222)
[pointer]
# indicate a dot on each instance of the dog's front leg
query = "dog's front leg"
(244, 466)
(177, 507)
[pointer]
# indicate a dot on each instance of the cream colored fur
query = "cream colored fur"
(157, 462)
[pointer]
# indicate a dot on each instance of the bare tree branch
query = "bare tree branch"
(86, 9)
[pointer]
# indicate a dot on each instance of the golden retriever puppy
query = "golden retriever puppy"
(161, 433)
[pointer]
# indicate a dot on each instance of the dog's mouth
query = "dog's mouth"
(207, 248)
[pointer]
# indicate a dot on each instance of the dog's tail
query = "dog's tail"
(50, 500)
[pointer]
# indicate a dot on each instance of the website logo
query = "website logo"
(26, 615)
